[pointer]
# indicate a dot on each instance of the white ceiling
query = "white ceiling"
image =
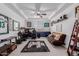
(29, 10)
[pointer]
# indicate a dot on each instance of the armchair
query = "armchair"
(57, 39)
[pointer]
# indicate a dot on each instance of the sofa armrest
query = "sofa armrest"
(62, 38)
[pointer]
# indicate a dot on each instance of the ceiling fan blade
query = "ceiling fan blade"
(44, 14)
(38, 14)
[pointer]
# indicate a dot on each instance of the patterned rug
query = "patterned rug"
(35, 46)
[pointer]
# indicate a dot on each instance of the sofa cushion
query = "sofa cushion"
(57, 37)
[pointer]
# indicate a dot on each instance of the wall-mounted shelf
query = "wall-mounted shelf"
(62, 18)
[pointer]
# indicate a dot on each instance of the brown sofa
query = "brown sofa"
(57, 38)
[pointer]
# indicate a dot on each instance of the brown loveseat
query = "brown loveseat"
(57, 38)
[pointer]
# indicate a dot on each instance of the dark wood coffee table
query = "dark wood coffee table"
(35, 46)
(7, 49)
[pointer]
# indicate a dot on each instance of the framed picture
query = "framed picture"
(29, 24)
(16, 25)
(4, 28)
(46, 24)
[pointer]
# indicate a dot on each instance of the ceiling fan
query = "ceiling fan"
(41, 14)
(38, 12)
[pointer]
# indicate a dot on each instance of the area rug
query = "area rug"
(35, 46)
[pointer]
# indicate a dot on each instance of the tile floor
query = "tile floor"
(54, 51)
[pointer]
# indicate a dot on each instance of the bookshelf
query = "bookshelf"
(73, 47)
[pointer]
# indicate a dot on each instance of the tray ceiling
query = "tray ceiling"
(45, 10)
